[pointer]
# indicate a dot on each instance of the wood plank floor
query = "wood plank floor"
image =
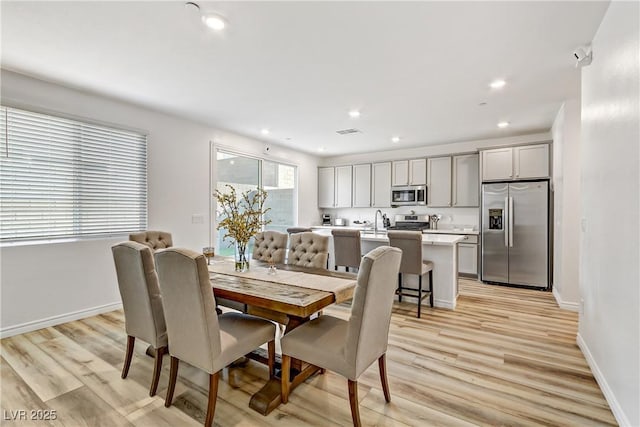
(504, 357)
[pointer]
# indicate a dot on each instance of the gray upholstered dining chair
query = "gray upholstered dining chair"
(270, 246)
(293, 230)
(308, 249)
(349, 347)
(346, 246)
(197, 335)
(154, 239)
(142, 302)
(412, 263)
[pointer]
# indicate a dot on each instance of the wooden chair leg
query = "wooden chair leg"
(419, 295)
(382, 365)
(213, 397)
(157, 368)
(353, 401)
(431, 287)
(284, 378)
(173, 375)
(271, 348)
(127, 358)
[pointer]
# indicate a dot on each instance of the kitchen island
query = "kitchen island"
(441, 249)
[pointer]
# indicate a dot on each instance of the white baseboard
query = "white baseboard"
(444, 304)
(10, 331)
(618, 413)
(573, 306)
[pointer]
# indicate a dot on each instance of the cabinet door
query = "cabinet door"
(465, 180)
(531, 161)
(326, 187)
(381, 185)
(467, 258)
(439, 181)
(361, 186)
(343, 187)
(497, 164)
(417, 172)
(400, 172)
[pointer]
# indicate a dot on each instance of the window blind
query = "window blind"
(62, 178)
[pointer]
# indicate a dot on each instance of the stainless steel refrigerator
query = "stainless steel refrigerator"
(515, 233)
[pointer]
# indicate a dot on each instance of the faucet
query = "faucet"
(375, 220)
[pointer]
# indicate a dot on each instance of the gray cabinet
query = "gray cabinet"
(400, 173)
(361, 186)
(381, 185)
(439, 181)
(468, 255)
(343, 187)
(326, 187)
(465, 185)
(409, 172)
(512, 163)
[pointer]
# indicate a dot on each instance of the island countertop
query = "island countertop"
(427, 239)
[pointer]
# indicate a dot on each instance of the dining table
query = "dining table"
(287, 294)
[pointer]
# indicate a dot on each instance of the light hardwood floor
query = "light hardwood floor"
(504, 357)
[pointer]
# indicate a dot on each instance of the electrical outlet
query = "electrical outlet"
(197, 219)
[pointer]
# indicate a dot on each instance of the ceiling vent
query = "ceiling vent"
(347, 131)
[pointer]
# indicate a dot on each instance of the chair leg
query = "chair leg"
(157, 368)
(173, 375)
(431, 287)
(127, 358)
(399, 287)
(353, 401)
(213, 397)
(271, 347)
(419, 294)
(346, 269)
(382, 365)
(284, 377)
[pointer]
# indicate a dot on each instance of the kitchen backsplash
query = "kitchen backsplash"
(450, 216)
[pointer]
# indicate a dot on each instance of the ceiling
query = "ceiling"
(418, 70)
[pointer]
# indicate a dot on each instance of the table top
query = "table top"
(295, 291)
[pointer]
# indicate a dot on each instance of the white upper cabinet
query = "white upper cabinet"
(465, 180)
(439, 182)
(497, 164)
(362, 186)
(523, 162)
(326, 187)
(343, 187)
(418, 172)
(400, 175)
(531, 161)
(381, 185)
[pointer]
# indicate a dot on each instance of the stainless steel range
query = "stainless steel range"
(411, 222)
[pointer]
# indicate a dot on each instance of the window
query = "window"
(61, 178)
(246, 173)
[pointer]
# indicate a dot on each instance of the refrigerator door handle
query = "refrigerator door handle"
(510, 222)
(507, 218)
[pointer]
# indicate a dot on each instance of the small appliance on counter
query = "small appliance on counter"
(411, 222)
(340, 222)
(326, 219)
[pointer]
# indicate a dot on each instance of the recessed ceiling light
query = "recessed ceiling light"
(497, 84)
(503, 124)
(395, 139)
(214, 21)
(265, 131)
(321, 149)
(354, 114)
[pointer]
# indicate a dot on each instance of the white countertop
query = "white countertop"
(427, 239)
(370, 228)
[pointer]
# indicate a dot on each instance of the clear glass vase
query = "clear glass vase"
(242, 256)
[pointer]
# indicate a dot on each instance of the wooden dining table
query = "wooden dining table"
(289, 296)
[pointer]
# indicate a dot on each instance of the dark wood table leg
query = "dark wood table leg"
(268, 397)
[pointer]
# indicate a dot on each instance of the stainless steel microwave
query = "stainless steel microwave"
(413, 195)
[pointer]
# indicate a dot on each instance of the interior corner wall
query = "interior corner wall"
(609, 325)
(566, 194)
(51, 283)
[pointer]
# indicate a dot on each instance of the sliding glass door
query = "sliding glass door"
(247, 173)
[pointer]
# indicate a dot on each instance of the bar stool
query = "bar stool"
(346, 244)
(411, 244)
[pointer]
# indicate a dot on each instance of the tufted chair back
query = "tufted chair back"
(270, 246)
(308, 250)
(154, 239)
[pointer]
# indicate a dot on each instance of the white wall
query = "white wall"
(566, 183)
(47, 281)
(609, 329)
